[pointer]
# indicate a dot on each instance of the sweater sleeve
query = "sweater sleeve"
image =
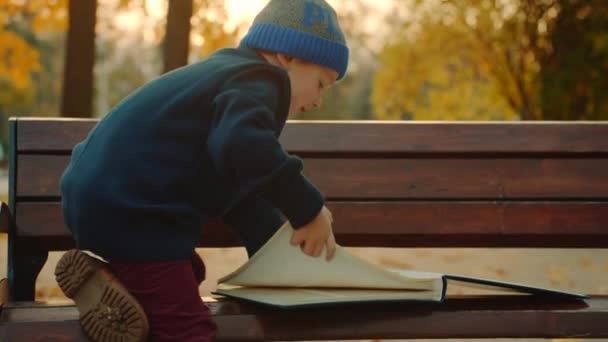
(255, 220)
(249, 113)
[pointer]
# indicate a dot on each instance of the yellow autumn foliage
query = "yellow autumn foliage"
(430, 77)
(50, 15)
(208, 20)
(19, 57)
(447, 64)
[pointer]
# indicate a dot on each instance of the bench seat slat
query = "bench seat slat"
(405, 224)
(491, 316)
(60, 135)
(402, 178)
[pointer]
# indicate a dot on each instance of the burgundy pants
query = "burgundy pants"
(168, 293)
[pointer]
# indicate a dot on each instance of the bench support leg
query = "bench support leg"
(22, 274)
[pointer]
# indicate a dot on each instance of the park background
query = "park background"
(472, 60)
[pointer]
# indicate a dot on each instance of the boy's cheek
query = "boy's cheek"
(293, 110)
(294, 106)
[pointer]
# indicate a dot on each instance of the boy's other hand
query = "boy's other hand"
(316, 235)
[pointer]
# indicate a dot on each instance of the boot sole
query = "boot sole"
(108, 313)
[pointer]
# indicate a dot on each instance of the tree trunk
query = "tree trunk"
(77, 95)
(177, 37)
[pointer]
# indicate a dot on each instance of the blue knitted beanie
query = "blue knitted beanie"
(305, 29)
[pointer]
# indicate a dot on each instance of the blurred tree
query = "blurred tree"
(129, 51)
(21, 23)
(209, 31)
(177, 37)
(433, 75)
(29, 78)
(482, 59)
(574, 71)
(77, 95)
(129, 57)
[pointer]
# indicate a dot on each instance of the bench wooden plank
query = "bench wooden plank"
(458, 178)
(60, 135)
(404, 224)
(495, 317)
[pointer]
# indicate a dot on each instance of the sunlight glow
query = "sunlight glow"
(243, 11)
(240, 12)
(128, 20)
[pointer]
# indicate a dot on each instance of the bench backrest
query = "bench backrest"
(390, 184)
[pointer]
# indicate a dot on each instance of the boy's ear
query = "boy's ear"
(285, 60)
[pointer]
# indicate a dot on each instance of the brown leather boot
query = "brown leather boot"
(107, 311)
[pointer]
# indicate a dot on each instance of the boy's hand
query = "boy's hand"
(316, 235)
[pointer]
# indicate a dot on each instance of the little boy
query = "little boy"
(197, 143)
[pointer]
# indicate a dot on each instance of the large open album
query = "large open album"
(280, 274)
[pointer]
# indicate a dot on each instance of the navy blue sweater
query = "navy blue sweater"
(198, 143)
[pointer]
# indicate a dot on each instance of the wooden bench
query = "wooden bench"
(404, 184)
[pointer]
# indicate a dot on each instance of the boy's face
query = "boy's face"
(308, 81)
